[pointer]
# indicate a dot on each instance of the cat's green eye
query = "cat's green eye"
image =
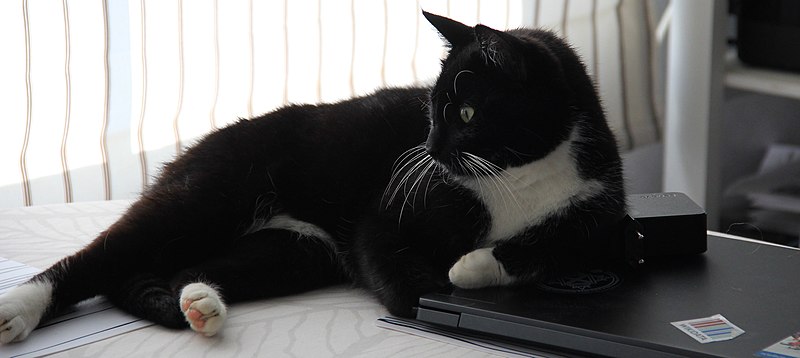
(466, 113)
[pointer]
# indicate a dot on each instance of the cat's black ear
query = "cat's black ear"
(456, 33)
(500, 49)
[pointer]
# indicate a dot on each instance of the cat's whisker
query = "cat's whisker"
(533, 134)
(497, 168)
(409, 191)
(503, 180)
(434, 168)
(488, 175)
(425, 104)
(498, 175)
(503, 177)
(414, 166)
(408, 167)
(407, 159)
(444, 112)
(455, 80)
(397, 171)
(402, 184)
(518, 154)
(428, 162)
(466, 165)
(413, 151)
(397, 187)
(418, 181)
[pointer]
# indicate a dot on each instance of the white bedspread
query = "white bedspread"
(337, 321)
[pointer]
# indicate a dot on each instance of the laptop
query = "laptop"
(624, 312)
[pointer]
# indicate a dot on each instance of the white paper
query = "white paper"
(89, 322)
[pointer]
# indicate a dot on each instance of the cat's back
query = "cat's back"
(394, 118)
(315, 159)
(389, 116)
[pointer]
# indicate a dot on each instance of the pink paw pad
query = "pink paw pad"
(203, 308)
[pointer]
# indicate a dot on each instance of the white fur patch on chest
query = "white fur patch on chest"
(539, 189)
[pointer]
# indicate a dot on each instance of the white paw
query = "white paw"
(203, 308)
(21, 309)
(479, 269)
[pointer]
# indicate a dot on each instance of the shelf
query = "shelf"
(773, 82)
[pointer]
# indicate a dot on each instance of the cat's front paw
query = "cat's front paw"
(21, 309)
(203, 308)
(478, 269)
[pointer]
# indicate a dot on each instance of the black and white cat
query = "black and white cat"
(504, 168)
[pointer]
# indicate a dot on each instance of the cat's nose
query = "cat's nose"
(429, 148)
(433, 147)
(435, 143)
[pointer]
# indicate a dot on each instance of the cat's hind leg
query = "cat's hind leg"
(266, 263)
(398, 270)
(151, 297)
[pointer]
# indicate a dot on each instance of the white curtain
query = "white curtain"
(96, 94)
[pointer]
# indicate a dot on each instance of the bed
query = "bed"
(337, 321)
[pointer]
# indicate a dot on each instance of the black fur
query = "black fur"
(332, 165)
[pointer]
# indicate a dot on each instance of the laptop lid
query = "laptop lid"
(619, 312)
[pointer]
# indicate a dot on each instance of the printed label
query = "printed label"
(710, 329)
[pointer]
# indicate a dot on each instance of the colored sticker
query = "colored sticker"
(789, 347)
(710, 329)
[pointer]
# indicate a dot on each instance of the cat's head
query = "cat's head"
(501, 96)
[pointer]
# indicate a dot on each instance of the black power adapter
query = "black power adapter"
(663, 224)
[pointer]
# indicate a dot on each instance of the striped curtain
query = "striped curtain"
(96, 94)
